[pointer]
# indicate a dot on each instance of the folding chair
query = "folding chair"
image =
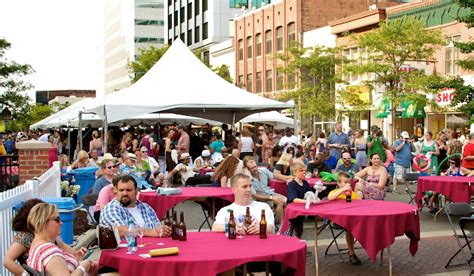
(334, 227)
(411, 178)
(31, 271)
(90, 200)
(457, 209)
(467, 224)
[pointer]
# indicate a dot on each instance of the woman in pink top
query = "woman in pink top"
(105, 196)
(44, 256)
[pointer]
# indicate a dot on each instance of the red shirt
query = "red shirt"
(468, 150)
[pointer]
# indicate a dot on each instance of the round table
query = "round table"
(456, 188)
(208, 253)
(374, 223)
(162, 203)
(281, 187)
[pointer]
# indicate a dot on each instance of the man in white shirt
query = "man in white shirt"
(188, 176)
(242, 188)
(289, 140)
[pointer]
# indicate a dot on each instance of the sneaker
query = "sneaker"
(434, 210)
(354, 259)
(394, 191)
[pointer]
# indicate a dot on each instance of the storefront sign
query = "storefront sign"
(445, 97)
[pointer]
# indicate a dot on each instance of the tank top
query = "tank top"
(247, 143)
(39, 257)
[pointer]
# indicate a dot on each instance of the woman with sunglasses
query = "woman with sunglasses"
(44, 256)
(454, 167)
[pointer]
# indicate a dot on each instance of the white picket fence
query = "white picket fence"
(47, 185)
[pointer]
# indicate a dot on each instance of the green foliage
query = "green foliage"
(12, 87)
(466, 47)
(145, 60)
(391, 47)
(312, 72)
(223, 72)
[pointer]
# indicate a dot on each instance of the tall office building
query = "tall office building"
(128, 26)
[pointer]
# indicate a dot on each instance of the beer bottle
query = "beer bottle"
(263, 226)
(348, 196)
(174, 227)
(167, 220)
(182, 228)
(247, 221)
(231, 227)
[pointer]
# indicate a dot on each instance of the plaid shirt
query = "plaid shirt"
(115, 214)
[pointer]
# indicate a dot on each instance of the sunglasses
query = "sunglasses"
(110, 167)
(57, 219)
(144, 151)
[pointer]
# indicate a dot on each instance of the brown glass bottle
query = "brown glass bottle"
(182, 228)
(167, 220)
(231, 227)
(248, 220)
(174, 227)
(263, 226)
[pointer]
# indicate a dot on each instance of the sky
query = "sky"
(58, 38)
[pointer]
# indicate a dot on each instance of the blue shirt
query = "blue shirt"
(403, 156)
(142, 183)
(353, 168)
(331, 162)
(100, 183)
(115, 214)
(261, 185)
(335, 138)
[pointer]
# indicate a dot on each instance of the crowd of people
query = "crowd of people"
(245, 162)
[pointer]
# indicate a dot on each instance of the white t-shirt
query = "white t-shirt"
(239, 213)
(185, 171)
(290, 140)
(153, 163)
(247, 143)
(135, 212)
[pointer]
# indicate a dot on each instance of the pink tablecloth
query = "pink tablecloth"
(374, 223)
(281, 187)
(207, 253)
(456, 188)
(162, 203)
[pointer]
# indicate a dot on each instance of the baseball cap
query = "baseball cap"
(132, 156)
(405, 135)
(184, 156)
(206, 153)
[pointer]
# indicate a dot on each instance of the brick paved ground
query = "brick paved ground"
(431, 257)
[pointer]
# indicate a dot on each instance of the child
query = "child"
(343, 185)
(296, 190)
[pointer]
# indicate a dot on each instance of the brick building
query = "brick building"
(262, 33)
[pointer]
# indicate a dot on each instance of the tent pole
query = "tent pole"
(233, 119)
(106, 129)
(69, 140)
(79, 126)
(295, 119)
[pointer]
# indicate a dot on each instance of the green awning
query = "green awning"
(411, 109)
(383, 109)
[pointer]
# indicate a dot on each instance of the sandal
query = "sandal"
(354, 259)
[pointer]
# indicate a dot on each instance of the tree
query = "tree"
(12, 86)
(145, 60)
(311, 79)
(391, 47)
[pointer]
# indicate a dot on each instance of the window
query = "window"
(196, 7)
(149, 22)
(181, 15)
(182, 37)
(279, 33)
(170, 2)
(240, 81)
(189, 39)
(204, 5)
(452, 56)
(205, 57)
(259, 82)
(241, 49)
(176, 18)
(170, 21)
(196, 34)
(249, 47)
(354, 53)
(204, 31)
(190, 11)
(280, 80)
(268, 42)
(258, 45)
(291, 32)
(268, 81)
(249, 82)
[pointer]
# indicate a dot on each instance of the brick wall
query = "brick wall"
(34, 160)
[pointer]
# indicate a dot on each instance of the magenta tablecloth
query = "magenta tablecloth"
(207, 253)
(281, 187)
(456, 188)
(162, 203)
(374, 223)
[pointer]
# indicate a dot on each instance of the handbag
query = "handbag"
(107, 237)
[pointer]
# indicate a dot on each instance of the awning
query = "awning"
(384, 108)
(411, 109)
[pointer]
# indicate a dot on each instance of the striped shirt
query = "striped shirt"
(39, 257)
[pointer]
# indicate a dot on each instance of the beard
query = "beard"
(125, 201)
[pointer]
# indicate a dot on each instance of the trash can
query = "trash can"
(67, 209)
(85, 178)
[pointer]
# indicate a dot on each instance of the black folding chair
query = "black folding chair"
(411, 179)
(457, 209)
(90, 200)
(467, 224)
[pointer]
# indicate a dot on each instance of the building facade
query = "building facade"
(46, 96)
(128, 26)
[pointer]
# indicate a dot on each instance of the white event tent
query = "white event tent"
(180, 83)
(273, 118)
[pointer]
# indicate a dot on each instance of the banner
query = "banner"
(383, 110)
(411, 109)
